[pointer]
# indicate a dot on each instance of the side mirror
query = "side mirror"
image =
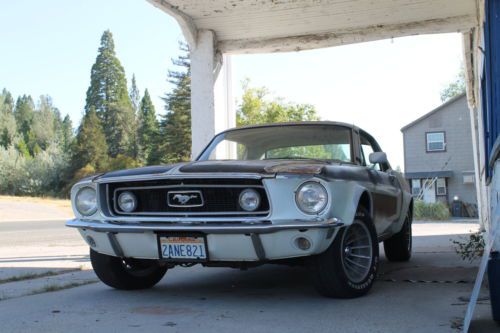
(378, 157)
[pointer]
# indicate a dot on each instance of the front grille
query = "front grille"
(220, 197)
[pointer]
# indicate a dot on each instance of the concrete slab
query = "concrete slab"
(265, 299)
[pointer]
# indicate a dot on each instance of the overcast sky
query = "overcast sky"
(49, 46)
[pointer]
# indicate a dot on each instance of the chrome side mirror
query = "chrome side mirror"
(378, 157)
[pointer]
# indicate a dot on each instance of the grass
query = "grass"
(31, 276)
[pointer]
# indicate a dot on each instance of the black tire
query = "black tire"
(331, 276)
(126, 274)
(399, 246)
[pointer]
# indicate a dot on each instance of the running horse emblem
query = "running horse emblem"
(184, 198)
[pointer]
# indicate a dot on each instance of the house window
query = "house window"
(441, 186)
(435, 141)
(415, 187)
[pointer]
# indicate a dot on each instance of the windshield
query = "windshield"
(324, 142)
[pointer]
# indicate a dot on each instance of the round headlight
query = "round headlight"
(127, 202)
(311, 198)
(86, 201)
(249, 200)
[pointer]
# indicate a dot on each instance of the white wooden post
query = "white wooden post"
(212, 104)
(225, 114)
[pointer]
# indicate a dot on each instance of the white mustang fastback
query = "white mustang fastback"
(321, 194)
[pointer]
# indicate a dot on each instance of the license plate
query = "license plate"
(183, 248)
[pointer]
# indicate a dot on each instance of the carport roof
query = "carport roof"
(243, 26)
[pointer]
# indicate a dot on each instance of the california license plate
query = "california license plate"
(183, 248)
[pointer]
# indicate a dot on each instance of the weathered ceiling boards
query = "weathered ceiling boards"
(251, 26)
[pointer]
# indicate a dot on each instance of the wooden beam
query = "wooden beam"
(350, 36)
(188, 27)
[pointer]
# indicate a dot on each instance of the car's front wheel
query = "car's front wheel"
(348, 268)
(126, 273)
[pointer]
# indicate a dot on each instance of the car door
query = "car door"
(386, 191)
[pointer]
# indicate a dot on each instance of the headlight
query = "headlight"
(127, 202)
(249, 200)
(86, 201)
(311, 198)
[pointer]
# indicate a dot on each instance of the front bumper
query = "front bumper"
(257, 241)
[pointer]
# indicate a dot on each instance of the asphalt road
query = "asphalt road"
(423, 295)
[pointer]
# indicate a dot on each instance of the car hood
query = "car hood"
(265, 167)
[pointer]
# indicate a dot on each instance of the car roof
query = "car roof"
(299, 123)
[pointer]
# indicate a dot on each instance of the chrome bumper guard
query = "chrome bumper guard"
(208, 228)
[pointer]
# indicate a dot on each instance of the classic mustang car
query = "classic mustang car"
(320, 194)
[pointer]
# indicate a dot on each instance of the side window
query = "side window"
(435, 141)
(366, 149)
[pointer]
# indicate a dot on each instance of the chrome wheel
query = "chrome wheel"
(357, 252)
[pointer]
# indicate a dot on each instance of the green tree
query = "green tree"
(258, 107)
(45, 124)
(8, 128)
(175, 126)
(22, 148)
(23, 112)
(66, 136)
(135, 95)
(454, 88)
(91, 148)
(108, 96)
(148, 132)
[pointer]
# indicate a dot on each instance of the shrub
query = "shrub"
(430, 211)
(40, 175)
(470, 247)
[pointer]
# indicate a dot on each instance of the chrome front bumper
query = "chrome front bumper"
(208, 228)
(258, 241)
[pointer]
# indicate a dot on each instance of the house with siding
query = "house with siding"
(438, 155)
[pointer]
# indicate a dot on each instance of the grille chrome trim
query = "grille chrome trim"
(120, 214)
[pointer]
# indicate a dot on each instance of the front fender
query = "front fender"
(346, 196)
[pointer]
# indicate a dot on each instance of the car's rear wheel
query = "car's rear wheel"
(348, 268)
(399, 246)
(127, 273)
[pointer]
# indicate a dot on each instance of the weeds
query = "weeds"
(470, 247)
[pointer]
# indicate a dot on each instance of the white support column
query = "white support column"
(212, 105)
(202, 91)
(225, 114)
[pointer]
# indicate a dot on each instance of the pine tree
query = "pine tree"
(66, 134)
(135, 95)
(135, 99)
(108, 96)
(23, 112)
(91, 148)
(175, 126)
(8, 128)
(148, 132)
